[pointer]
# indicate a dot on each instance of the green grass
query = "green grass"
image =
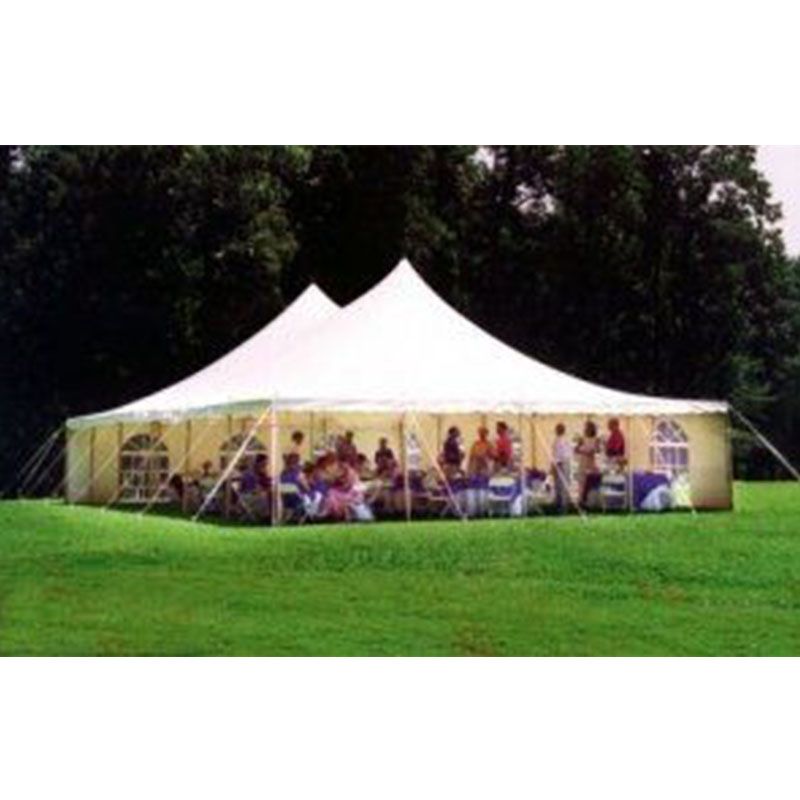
(79, 581)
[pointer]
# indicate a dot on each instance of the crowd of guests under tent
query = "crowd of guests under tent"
(336, 481)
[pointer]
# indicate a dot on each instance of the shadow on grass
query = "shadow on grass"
(173, 512)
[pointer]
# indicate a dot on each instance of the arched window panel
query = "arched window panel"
(143, 467)
(669, 448)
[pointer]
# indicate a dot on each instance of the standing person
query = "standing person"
(480, 455)
(615, 444)
(587, 448)
(452, 455)
(503, 447)
(562, 467)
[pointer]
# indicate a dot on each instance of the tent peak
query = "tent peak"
(403, 276)
(313, 294)
(399, 288)
(404, 270)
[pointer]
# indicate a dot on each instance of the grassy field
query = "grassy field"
(78, 581)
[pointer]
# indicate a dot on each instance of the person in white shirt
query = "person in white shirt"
(562, 467)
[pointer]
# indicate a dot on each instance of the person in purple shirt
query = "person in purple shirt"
(452, 455)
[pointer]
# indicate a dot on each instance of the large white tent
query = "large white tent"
(397, 352)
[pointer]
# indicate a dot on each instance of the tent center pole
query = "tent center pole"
(226, 500)
(187, 467)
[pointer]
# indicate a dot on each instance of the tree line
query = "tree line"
(649, 269)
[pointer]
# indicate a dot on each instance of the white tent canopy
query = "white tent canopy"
(219, 385)
(398, 347)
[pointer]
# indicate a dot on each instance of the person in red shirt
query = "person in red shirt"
(503, 447)
(615, 444)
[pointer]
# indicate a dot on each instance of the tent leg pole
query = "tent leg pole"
(120, 445)
(629, 464)
(187, 452)
(91, 467)
(275, 500)
(523, 453)
(226, 500)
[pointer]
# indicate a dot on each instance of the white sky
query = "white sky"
(781, 164)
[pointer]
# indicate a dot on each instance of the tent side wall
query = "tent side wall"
(190, 444)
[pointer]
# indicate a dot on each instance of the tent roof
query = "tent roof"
(397, 347)
(217, 385)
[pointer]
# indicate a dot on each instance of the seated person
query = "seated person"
(306, 497)
(175, 489)
(363, 468)
(346, 450)
(503, 451)
(317, 476)
(207, 479)
(327, 468)
(385, 462)
(262, 476)
(480, 455)
(254, 487)
(452, 456)
(345, 498)
(615, 445)
(292, 472)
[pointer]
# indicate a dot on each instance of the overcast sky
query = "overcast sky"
(781, 164)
